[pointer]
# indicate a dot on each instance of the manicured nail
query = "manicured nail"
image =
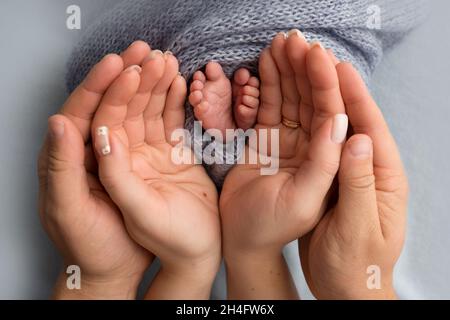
(134, 68)
(317, 44)
(361, 148)
(102, 142)
(339, 130)
(56, 129)
(296, 32)
(154, 54)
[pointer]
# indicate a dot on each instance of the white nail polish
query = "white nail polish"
(104, 147)
(297, 33)
(339, 129)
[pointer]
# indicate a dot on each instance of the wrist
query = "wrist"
(351, 292)
(94, 288)
(259, 275)
(186, 281)
(386, 292)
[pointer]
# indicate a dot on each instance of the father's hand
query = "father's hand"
(354, 248)
(76, 212)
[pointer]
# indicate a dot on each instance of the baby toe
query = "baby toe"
(195, 97)
(197, 85)
(214, 71)
(201, 109)
(199, 76)
(254, 82)
(250, 101)
(245, 116)
(250, 91)
(241, 76)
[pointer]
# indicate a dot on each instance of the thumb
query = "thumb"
(357, 204)
(63, 164)
(128, 190)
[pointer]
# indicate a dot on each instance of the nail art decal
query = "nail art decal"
(103, 140)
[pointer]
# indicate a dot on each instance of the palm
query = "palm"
(260, 202)
(182, 196)
(93, 228)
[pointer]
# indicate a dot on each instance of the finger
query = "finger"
(135, 53)
(152, 72)
(366, 118)
(332, 57)
(291, 97)
(357, 204)
(65, 175)
(154, 125)
(173, 114)
(270, 109)
(326, 94)
(297, 49)
(80, 107)
(131, 193)
(113, 108)
(315, 175)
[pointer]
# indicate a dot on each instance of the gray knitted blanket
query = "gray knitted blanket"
(233, 32)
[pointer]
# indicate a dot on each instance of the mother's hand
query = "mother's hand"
(77, 213)
(355, 246)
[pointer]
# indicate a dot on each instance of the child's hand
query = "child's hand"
(260, 214)
(77, 213)
(362, 236)
(169, 209)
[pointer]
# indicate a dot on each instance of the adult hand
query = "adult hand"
(76, 212)
(260, 214)
(169, 208)
(364, 232)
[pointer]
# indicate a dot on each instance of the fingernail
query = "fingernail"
(361, 148)
(154, 54)
(296, 32)
(102, 142)
(134, 68)
(339, 129)
(56, 129)
(167, 54)
(285, 36)
(317, 44)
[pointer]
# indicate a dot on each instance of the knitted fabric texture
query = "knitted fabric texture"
(234, 32)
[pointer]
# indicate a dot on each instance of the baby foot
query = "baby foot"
(212, 95)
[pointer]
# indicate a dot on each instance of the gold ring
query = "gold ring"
(290, 124)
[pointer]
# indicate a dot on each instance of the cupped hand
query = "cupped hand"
(352, 252)
(77, 213)
(171, 209)
(260, 214)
